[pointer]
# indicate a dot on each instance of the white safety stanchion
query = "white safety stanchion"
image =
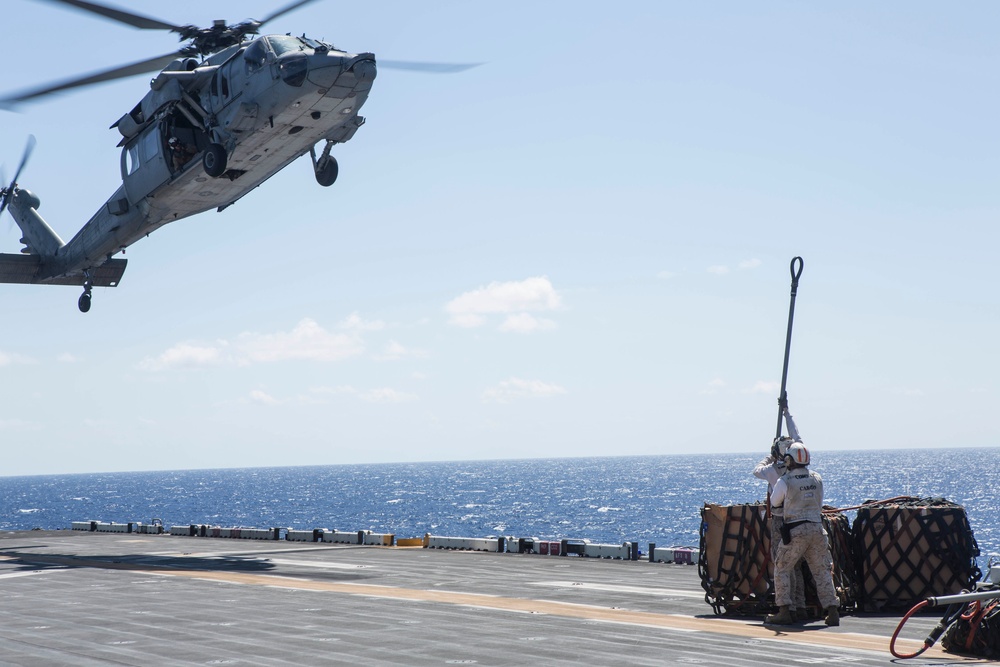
(102, 527)
(622, 551)
(494, 544)
(378, 539)
(343, 537)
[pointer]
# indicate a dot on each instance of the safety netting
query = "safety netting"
(908, 549)
(735, 560)
(897, 552)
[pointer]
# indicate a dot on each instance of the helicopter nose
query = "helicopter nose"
(364, 68)
(342, 71)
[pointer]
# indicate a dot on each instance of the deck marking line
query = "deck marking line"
(813, 636)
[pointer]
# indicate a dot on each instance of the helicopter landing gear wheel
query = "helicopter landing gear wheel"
(84, 302)
(326, 172)
(214, 160)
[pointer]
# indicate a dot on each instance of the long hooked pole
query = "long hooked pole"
(783, 397)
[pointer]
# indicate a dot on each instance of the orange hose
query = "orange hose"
(892, 642)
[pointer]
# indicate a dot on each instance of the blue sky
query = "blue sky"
(579, 248)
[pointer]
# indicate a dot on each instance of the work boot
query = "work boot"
(783, 617)
(801, 614)
(832, 616)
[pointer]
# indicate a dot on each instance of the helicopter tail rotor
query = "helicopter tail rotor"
(7, 192)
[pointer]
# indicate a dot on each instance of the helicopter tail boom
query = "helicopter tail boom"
(39, 238)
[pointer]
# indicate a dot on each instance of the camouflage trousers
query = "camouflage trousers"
(798, 585)
(809, 543)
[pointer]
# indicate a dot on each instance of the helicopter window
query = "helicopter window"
(285, 43)
(293, 68)
(132, 158)
(150, 146)
(255, 55)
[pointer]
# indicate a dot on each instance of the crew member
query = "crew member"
(180, 154)
(800, 492)
(770, 469)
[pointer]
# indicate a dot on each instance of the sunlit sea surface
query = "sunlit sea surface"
(607, 499)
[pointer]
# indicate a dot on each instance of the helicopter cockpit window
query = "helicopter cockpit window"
(255, 55)
(292, 62)
(285, 43)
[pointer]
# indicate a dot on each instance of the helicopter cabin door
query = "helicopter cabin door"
(144, 163)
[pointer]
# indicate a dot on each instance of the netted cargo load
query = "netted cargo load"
(845, 582)
(909, 549)
(735, 558)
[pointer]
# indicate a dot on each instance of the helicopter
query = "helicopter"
(226, 111)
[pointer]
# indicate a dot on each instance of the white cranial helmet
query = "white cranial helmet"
(780, 447)
(798, 454)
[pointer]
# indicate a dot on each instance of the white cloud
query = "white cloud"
(665, 275)
(378, 395)
(714, 386)
(526, 323)
(354, 322)
(19, 425)
(532, 294)
(182, 355)
(6, 359)
(386, 395)
(746, 264)
(308, 341)
(394, 351)
(342, 389)
(765, 387)
(514, 388)
(258, 396)
(66, 358)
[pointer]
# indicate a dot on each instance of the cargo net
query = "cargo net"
(735, 560)
(977, 629)
(845, 582)
(911, 548)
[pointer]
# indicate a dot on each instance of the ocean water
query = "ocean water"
(605, 499)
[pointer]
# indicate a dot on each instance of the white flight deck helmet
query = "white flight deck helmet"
(780, 447)
(797, 455)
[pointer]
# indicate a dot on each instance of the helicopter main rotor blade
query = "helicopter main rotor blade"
(285, 10)
(432, 68)
(149, 65)
(9, 191)
(120, 15)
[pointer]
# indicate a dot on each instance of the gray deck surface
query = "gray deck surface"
(75, 598)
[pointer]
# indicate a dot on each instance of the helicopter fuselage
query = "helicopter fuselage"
(206, 134)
